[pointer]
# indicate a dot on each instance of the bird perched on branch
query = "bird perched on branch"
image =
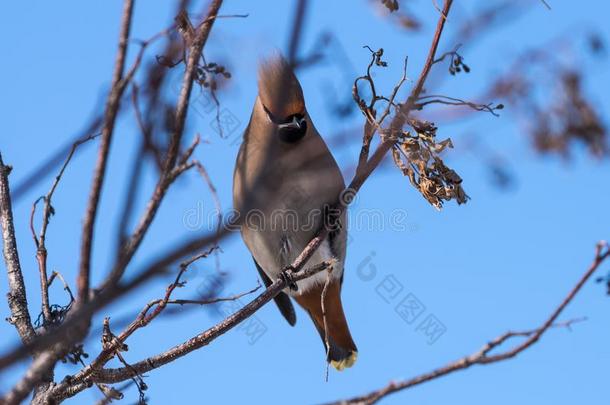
(285, 185)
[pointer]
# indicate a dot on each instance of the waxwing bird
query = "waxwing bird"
(287, 178)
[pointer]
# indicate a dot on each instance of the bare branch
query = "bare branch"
(440, 99)
(429, 61)
(53, 161)
(67, 289)
(17, 300)
(112, 107)
(324, 320)
(48, 212)
(37, 372)
(111, 393)
(78, 383)
(365, 168)
(160, 265)
(195, 51)
(143, 318)
(206, 177)
(483, 356)
(41, 369)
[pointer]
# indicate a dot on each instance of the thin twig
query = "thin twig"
(67, 289)
(483, 355)
(206, 177)
(112, 107)
(440, 99)
(111, 393)
(40, 172)
(324, 320)
(39, 241)
(141, 320)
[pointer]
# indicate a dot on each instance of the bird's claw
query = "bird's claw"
(286, 275)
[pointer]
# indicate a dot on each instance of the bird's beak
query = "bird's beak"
(296, 124)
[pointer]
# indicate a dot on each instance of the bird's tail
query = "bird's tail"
(342, 352)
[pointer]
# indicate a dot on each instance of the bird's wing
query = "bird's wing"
(282, 300)
(337, 241)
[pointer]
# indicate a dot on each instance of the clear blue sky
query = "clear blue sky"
(503, 261)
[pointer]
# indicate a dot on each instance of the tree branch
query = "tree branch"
(195, 52)
(40, 240)
(160, 265)
(79, 383)
(364, 169)
(17, 300)
(112, 107)
(483, 355)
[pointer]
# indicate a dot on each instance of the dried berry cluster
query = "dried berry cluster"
(417, 156)
(207, 75)
(558, 112)
(457, 64)
(392, 5)
(571, 118)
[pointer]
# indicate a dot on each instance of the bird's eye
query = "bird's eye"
(270, 115)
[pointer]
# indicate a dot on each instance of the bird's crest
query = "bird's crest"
(279, 88)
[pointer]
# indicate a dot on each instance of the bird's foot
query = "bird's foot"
(286, 275)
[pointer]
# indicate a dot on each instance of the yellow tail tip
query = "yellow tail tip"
(347, 362)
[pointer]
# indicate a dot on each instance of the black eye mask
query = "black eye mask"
(290, 130)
